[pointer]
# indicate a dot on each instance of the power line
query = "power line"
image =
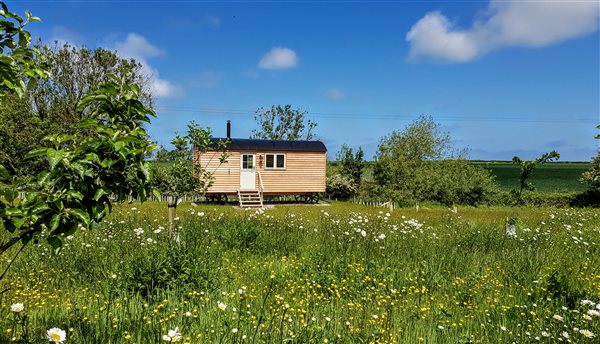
(380, 116)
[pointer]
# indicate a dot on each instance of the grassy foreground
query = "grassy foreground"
(314, 274)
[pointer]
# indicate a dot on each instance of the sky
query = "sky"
(503, 78)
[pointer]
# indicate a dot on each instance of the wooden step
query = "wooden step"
(250, 198)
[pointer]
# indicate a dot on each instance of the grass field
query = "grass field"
(314, 274)
(552, 177)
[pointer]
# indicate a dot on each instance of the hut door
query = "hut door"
(248, 172)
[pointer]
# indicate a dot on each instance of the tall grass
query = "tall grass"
(343, 273)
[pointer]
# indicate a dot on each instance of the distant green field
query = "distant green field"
(552, 177)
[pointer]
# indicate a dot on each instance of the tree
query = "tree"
(181, 177)
(283, 123)
(340, 187)
(49, 105)
(592, 176)
(418, 164)
(80, 171)
(352, 165)
(527, 168)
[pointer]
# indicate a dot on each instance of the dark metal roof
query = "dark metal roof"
(274, 145)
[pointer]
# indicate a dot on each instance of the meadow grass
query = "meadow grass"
(551, 177)
(314, 274)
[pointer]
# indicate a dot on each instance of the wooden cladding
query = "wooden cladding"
(304, 172)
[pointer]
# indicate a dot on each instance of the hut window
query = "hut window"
(275, 161)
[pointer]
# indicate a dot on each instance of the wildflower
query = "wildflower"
(564, 334)
(440, 327)
(503, 328)
(17, 307)
(222, 306)
(558, 317)
(234, 330)
(545, 334)
(587, 333)
(587, 303)
(56, 335)
(593, 312)
(188, 314)
(172, 335)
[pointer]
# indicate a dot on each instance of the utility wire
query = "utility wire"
(382, 116)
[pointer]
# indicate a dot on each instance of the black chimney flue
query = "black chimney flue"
(228, 129)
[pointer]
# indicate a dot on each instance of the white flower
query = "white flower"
(545, 334)
(503, 328)
(440, 327)
(172, 335)
(56, 335)
(587, 333)
(222, 306)
(17, 307)
(564, 334)
(234, 330)
(587, 303)
(557, 317)
(188, 314)
(593, 312)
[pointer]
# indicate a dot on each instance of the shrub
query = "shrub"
(340, 187)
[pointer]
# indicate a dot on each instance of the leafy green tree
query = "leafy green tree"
(352, 164)
(283, 123)
(527, 167)
(50, 105)
(182, 177)
(418, 164)
(81, 171)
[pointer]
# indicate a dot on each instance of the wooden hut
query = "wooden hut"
(258, 168)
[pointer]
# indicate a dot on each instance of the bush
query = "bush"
(340, 187)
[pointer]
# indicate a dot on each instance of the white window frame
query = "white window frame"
(275, 161)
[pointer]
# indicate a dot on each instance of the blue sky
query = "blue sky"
(503, 78)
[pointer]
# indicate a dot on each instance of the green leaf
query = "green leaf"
(54, 222)
(75, 194)
(36, 152)
(54, 156)
(80, 215)
(4, 173)
(99, 193)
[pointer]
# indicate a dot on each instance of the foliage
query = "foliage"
(283, 123)
(19, 62)
(527, 168)
(82, 171)
(592, 176)
(345, 273)
(182, 176)
(352, 165)
(49, 106)
(419, 141)
(339, 186)
(416, 164)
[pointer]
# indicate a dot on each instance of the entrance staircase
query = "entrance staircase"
(252, 198)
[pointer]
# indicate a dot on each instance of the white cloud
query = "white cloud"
(62, 35)
(137, 47)
(279, 58)
(507, 24)
(335, 94)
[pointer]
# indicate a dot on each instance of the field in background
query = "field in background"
(552, 177)
(342, 273)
